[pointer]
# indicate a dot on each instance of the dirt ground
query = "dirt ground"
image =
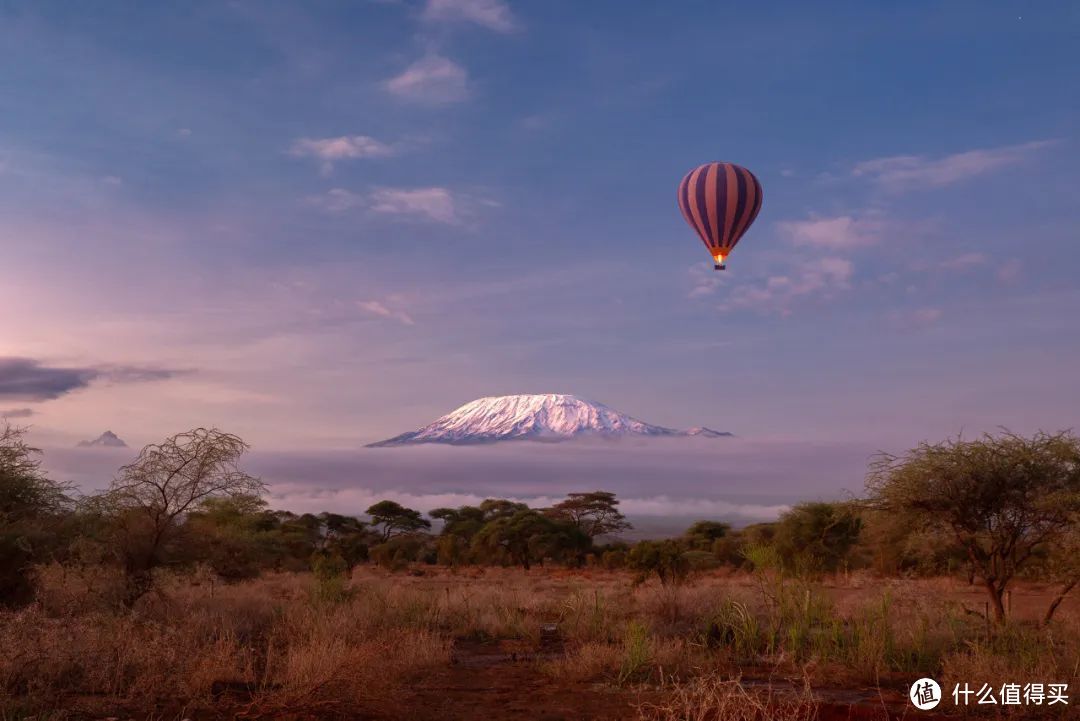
(500, 681)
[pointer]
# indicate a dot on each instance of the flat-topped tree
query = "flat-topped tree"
(595, 513)
(1001, 499)
(394, 519)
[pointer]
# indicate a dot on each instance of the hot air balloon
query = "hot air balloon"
(720, 201)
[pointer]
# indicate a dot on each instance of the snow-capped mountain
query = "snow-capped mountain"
(108, 439)
(542, 417)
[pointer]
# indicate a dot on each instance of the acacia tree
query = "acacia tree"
(149, 499)
(595, 513)
(525, 536)
(1064, 565)
(1001, 499)
(395, 519)
(347, 537)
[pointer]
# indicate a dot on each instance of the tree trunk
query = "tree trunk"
(996, 604)
(1057, 601)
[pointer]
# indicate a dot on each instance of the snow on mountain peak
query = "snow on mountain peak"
(541, 417)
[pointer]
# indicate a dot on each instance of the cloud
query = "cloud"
(136, 374)
(302, 500)
(967, 261)
(705, 280)
(436, 204)
(432, 80)
(491, 14)
(338, 200)
(378, 308)
(345, 147)
(908, 172)
(756, 480)
(838, 232)
(1010, 270)
(27, 379)
(17, 413)
(916, 318)
(184, 132)
(781, 293)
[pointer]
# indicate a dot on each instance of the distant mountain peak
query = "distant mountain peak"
(108, 439)
(706, 432)
(535, 417)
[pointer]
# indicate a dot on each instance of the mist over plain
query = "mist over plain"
(657, 480)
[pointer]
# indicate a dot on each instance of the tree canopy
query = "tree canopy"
(1001, 499)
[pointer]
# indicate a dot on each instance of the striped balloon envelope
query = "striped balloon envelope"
(720, 201)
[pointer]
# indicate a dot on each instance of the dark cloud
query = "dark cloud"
(133, 374)
(17, 413)
(27, 379)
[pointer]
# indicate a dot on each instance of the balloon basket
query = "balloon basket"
(720, 266)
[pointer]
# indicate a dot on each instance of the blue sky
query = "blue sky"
(319, 225)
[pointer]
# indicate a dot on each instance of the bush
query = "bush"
(400, 551)
(16, 574)
(664, 558)
(331, 573)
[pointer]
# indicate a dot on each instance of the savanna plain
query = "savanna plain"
(176, 594)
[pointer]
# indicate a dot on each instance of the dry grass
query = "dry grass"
(712, 698)
(277, 645)
(265, 643)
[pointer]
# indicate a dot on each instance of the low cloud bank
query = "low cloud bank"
(732, 479)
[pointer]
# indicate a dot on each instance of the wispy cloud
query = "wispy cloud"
(966, 261)
(780, 294)
(338, 200)
(437, 204)
(433, 204)
(17, 413)
(1010, 270)
(432, 80)
(908, 172)
(345, 147)
(378, 308)
(705, 281)
(491, 14)
(916, 318)
(27, 379)
(839, 232)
